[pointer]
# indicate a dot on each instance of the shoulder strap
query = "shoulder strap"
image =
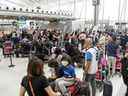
(97, 54)
(30, 84)
(95, 48)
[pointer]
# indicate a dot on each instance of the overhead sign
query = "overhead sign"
(22, 21)
(22, 18)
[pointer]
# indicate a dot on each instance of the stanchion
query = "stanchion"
(11, 64)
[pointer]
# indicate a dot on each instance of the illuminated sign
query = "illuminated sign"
(22, 21)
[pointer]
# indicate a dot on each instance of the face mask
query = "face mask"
(65, 63)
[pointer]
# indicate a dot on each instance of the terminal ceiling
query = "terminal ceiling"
(83, 9)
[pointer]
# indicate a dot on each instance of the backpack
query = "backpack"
(103, 61)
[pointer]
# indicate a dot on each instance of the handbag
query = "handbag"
(30, 84)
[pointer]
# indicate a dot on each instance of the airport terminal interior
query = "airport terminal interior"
(63, 48)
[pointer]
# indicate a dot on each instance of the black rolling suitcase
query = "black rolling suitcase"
(107, 88)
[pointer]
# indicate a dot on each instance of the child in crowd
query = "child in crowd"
(67, 71)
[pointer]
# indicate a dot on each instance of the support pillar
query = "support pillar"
(96, 4)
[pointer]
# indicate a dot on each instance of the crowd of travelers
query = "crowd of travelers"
(64, 52)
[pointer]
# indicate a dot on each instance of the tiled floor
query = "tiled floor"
(10, 78)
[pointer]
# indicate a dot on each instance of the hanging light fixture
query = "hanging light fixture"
(42, 11)
(32, 10)
(38, 7)
(55, 13)
(14, 9)
(37, 11)
(51, 12)
(21, 9)
(26, 10)
(7, 8)
(46, 12)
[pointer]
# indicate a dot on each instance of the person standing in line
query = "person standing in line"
(111, 51)
(91, 63)
(35, 83)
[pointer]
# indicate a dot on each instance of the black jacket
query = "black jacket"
(125, 67)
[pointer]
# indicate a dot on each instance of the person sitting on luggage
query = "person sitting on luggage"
(67, 71)
(35, 83)
(125, 70)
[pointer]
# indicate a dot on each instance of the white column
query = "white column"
(96, 4)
